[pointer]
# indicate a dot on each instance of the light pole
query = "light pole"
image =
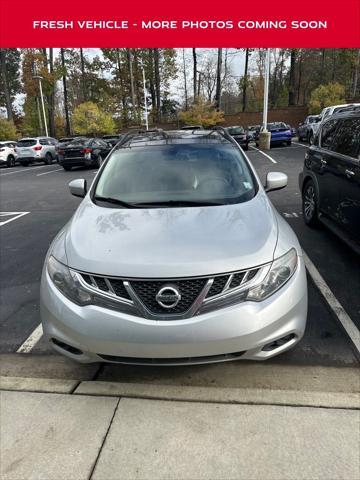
(38, 77)
(145, 102)
(265, 136)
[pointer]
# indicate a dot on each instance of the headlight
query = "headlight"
(281, 270)
(67, 282)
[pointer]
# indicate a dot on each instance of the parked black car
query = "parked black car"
(305, 128)
(113, 139)
(330, 182)
(238, 133)
(83, 152)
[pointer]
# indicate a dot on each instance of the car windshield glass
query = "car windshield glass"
(313, 119)
(277, 126)
(198, 173)
(2, 145)
(236, 130)
(29, 142)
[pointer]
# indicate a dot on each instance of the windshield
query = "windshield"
(29, 142)
(236, 130)
(201, 173)
(277, 126)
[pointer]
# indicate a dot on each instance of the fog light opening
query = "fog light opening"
(65, 346)
(278, 343)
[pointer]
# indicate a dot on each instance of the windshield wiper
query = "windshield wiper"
(115, 201)
(179, 203)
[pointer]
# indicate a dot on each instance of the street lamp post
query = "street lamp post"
(38, 77)
(265, 136)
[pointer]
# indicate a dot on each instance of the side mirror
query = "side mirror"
(78, 187)
(275, 181)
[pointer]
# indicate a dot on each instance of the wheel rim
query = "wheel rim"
(309, 202)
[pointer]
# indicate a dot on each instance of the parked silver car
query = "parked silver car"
(175, 256)
(36, 149)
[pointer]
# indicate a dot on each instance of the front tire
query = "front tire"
(67, 168)
(10, 162)
(288, 142)
(310, 204)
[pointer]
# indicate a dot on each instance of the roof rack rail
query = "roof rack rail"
(349, 108)
(222, 131)
(141, 133)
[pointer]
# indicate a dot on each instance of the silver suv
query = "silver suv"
(36, 149)
(175, 256)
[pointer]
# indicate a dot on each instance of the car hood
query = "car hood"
(171, 242)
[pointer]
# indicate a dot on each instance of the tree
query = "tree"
(88, 118)
(292, 96)
(195, 72)
(326, 95)
(245, 79)
(218, 79)
(7, 130)
(66, 101)
(9, 78)
(202, 113)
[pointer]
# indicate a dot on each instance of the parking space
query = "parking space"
(42, 193)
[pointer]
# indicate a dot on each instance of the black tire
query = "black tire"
(48, 159)
(25, 164)
(310, 204)
(67, 167)
(10, 162)
(246, 147)
(288, 142)
(311, 138)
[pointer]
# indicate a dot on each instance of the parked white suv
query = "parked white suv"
(7, 153)
(325, 113)
(36, 149)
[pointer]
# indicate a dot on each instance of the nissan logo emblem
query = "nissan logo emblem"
(168, 296)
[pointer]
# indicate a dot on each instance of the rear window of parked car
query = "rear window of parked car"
(236, 130)
(29, 142)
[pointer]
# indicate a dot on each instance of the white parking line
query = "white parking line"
(333, 303)
(47, 173)
(24, 170)
(301, 145)
(16, 216)
(31, 341)
(265, 154)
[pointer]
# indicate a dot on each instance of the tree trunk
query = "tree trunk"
(322, 65)
(218, 80)
(66, 104)
(9, 112)
(292, 78)
(356, 74)
(333, 69)
(185, 83)
(131, 75)
(83, 80)
(299, 80)
(245, 80)
(195, 71)
(157, 83)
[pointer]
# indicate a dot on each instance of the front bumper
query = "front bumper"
(238, 331)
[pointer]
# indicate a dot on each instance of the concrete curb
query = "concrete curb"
(44, 385)
(222, 395)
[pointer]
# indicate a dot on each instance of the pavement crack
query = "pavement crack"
(103, 441)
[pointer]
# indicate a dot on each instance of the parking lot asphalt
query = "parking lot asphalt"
(36, 203)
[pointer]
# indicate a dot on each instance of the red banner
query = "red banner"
(110, 23)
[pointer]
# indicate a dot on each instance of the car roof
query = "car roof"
(161, 137)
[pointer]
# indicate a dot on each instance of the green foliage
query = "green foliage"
(88, 118)
(7, 130)
(325, 96)
(202, 113)
(12, 66)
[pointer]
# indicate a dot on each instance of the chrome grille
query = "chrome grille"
(199, 294)
(189, 289)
